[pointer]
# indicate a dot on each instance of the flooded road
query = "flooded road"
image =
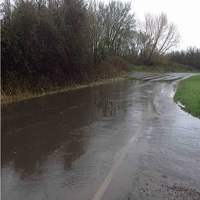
(121, 140)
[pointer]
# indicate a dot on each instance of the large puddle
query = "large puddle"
(62, 146)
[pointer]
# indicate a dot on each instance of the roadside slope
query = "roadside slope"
(188, 93)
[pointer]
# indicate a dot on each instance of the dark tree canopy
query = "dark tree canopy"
(189, 57)
(60, 41)
(52, 43)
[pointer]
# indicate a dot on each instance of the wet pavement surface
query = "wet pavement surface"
(121, 140)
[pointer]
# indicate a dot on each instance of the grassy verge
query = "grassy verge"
(16, 87)
(188, 93)
(5, 99)
(114, 66)
(167, 67)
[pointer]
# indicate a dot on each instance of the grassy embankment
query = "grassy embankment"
(112, 69)
(167, 67)
(119, 71)
(188, 94)
(5, 99)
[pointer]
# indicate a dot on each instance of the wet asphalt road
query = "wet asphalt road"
(122, 140)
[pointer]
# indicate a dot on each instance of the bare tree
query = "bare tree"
(119, 25)
(111, 28)
(95, 23)
(6, 8)
(157, 37)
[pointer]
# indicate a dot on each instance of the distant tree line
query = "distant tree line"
(55, 42)
(190, 57)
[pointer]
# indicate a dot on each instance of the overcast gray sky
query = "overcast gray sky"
(184, 13)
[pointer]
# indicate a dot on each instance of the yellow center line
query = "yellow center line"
(112, 172)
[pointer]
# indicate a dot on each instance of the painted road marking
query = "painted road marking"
(112, 172)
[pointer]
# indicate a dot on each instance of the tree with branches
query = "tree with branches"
(157, 37)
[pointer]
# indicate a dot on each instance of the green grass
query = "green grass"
(166, 67)
(5, 99)
(188, 94)
(143, 68)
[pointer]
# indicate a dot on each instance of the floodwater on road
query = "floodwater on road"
(120, 140)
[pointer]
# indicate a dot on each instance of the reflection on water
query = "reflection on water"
(33, 130)
(43, 137)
